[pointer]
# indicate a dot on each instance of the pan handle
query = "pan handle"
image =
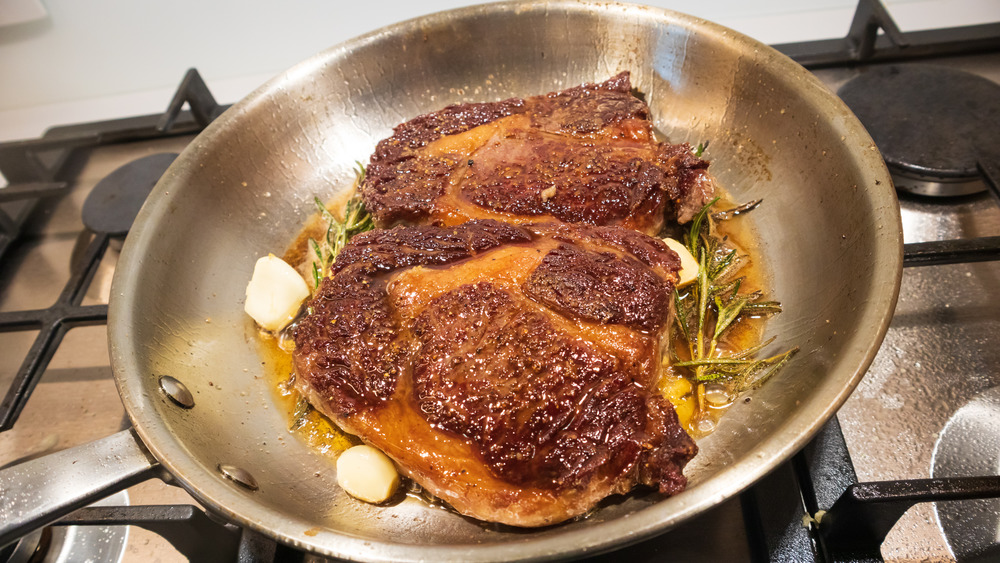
(37, 492)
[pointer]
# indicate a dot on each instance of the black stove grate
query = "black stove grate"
(42, 168)
(51, 324)
(819, 477)
(863, 44)
(859, 515)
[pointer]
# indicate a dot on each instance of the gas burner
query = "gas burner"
(64, 544)
(115, 201)
(969, 446)
(29, 547)
(933, 125)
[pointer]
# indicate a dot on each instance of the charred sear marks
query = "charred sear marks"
(586, 154)
(600, 287)
(652, 252)
(588, 108)
(401, 247)
(544, 409)
(451, 120)
(402, 185)
(351, 346)
(604, 182)
(525, 414)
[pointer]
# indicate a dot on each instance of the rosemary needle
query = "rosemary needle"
(710, 307)
(338, 233)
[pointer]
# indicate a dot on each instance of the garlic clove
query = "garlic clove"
(689, 265)
(367, 474)
(275, 293)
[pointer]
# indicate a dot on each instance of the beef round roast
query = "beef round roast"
(586, 154)
(511, 370)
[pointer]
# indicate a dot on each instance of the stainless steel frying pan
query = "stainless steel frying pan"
(829, 230)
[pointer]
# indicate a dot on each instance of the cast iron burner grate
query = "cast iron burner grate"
(41, 168)
(821, 476)
(936, 127)
(938, 130)
(37, 169)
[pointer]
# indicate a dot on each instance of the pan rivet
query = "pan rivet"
(238, 476)
(177, 392)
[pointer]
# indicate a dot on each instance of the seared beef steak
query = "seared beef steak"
(586, 154)
(510, 370)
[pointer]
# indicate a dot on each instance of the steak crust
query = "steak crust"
(631, 294)
(586, 154)
(510, 370)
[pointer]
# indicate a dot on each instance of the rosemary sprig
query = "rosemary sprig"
(710, 307)
(356, 220)
(301, 413)
(736, 211)
(359, 172)
(700, 149)
(338, 233)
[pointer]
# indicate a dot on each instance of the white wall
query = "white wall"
(96, 59)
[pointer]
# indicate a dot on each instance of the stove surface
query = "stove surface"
(75, 401)
(941, 352)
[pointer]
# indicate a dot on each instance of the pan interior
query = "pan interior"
(829, 231)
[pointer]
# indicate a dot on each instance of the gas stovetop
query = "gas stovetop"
(924, 412)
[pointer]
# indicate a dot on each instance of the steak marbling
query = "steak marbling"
(586, 154)
(510, 370)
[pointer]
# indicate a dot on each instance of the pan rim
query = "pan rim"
(790, 437)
